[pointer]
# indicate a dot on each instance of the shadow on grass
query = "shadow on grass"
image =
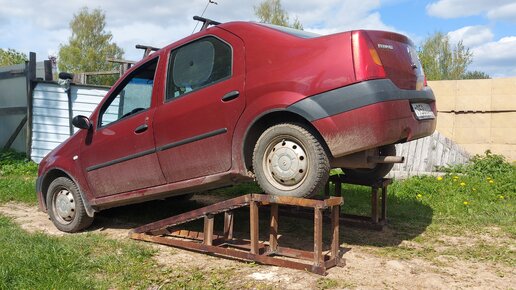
(407, 218)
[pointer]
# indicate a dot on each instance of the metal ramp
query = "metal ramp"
(252, 249)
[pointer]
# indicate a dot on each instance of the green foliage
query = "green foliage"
(13, 163)
(10, 57)
(475, 75)
(38, 261)
(441, 60)
(487, 165)
(272, 12)
(17, 177)
(89, 47)
(480, 193)
(91, 261)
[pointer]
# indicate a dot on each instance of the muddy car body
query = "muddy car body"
(239, 101)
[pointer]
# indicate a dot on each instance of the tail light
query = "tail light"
(365, 58)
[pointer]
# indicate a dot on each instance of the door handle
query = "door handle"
(230, 96)
(141, 129)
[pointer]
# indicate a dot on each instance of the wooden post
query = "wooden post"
(318, 228)
(208, 230)
(30, 70)
(228, 225)
(273, 230)
(48, 70)
(253, 208)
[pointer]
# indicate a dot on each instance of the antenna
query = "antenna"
(202, 14)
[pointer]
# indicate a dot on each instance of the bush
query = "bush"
(13, 163)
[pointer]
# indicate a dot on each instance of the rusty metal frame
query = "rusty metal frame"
(378, 218)
(264, 252)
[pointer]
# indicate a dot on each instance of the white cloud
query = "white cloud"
(40, 26)
(471, 36)
(497, 58)
(504, 12)
(462, 8)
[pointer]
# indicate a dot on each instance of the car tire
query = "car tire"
(373, 174)
(65, 206)
(288, 160)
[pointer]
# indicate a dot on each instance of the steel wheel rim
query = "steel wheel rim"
(64, 206)
(285, 163)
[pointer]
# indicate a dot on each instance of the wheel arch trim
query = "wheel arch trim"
(45, 181)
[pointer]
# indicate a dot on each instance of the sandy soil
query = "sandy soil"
(363, 270)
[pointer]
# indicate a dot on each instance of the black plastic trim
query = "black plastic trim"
(356, 96)
(161, 148)
(119, 160)
(192, 139)
(39, 183)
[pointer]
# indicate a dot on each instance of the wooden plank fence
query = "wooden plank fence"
(423, 156)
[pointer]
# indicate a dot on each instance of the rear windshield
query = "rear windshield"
(292, 31)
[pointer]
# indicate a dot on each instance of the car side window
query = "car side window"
(134, 95)
(197, 65)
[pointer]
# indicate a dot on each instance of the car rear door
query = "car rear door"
(119, 154)
(204, 99)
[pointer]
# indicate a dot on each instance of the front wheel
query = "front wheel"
(65, 206)
(289, 161)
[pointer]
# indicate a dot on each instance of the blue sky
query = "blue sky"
(487, 27)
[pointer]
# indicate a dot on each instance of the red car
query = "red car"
(235, 102)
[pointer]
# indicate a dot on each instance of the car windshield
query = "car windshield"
(292, 31)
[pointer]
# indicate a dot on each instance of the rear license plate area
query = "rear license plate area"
(423, 111)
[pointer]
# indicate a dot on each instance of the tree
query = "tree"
(10, 57)
(272, 12)
(442, 61)
(475, 75)
(89, 47)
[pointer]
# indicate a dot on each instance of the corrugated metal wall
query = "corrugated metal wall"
(51, 117)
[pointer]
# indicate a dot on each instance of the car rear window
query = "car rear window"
(291, 31)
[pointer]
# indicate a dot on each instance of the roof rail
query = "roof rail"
(205, 22)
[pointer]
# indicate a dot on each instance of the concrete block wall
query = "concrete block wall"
(478, 114)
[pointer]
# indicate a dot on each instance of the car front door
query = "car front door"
(119, 155)
(204, 99)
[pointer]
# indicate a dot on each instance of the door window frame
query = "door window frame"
(120, 87)
(170, 63)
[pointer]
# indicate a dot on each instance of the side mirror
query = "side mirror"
(81, 122)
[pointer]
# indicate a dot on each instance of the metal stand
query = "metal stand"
(378, 218)
(270, 253)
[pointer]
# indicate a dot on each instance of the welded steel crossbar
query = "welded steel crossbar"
(251, 249)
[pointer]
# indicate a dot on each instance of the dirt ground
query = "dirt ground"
(363, 270)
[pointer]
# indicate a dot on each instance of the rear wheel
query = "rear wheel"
(65, 206)
(379, 171)
(289, 161)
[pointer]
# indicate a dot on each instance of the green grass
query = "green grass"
(90, 261)
(17, 178)
(468, 202)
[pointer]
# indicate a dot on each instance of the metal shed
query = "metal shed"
(36, 112)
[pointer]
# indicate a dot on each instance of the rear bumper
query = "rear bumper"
(366, 115)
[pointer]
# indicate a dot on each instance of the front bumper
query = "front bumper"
(39, 194)
(366, 115)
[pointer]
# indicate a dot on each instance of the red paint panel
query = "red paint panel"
(196, 114)
(372, 126)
